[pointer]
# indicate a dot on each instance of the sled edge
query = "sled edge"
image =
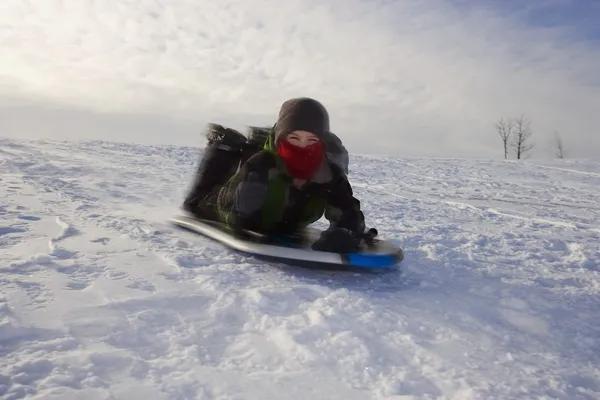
(355, 259)
(256, 248)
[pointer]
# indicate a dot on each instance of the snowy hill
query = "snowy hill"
(101, 299)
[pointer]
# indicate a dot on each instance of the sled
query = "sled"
(377, 255)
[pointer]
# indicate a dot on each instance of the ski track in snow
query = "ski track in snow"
(498, 297)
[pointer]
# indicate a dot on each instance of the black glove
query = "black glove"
(369, 236)
(338, 240)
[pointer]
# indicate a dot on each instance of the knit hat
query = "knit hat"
(304, 114)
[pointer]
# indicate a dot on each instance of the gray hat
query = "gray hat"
(304, 114)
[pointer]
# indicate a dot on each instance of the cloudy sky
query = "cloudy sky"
(407, 77)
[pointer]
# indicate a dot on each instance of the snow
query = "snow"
(498, 297)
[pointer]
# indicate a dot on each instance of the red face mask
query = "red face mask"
(301, 162)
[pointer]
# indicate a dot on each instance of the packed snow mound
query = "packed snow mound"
(102, 299)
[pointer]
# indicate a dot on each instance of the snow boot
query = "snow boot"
(218, 164)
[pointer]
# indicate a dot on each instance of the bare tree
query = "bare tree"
(505, 130)
(559, 148)
(521, 134)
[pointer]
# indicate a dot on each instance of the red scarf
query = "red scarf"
(301, 162)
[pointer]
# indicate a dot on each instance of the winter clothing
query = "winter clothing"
(301, 162)
(302, 114)
(262, 196)
(338, 240)
(218, 163)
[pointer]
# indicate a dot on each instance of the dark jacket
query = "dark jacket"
(261, 197)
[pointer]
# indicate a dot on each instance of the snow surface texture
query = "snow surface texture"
(102, 299)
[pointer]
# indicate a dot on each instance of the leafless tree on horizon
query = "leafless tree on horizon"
(505, 130)
(521, 134)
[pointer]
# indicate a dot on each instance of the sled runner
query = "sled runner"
(378, 255)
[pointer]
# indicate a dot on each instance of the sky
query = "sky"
(411, 77)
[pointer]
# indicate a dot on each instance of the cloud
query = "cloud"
(406, 77)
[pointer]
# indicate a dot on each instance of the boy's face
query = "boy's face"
(302, 138)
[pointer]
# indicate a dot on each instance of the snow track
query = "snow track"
(101, 299)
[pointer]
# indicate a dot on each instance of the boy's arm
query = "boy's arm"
(249, 191)
(343, 209)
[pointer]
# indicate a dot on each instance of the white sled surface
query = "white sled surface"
(382, 255)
